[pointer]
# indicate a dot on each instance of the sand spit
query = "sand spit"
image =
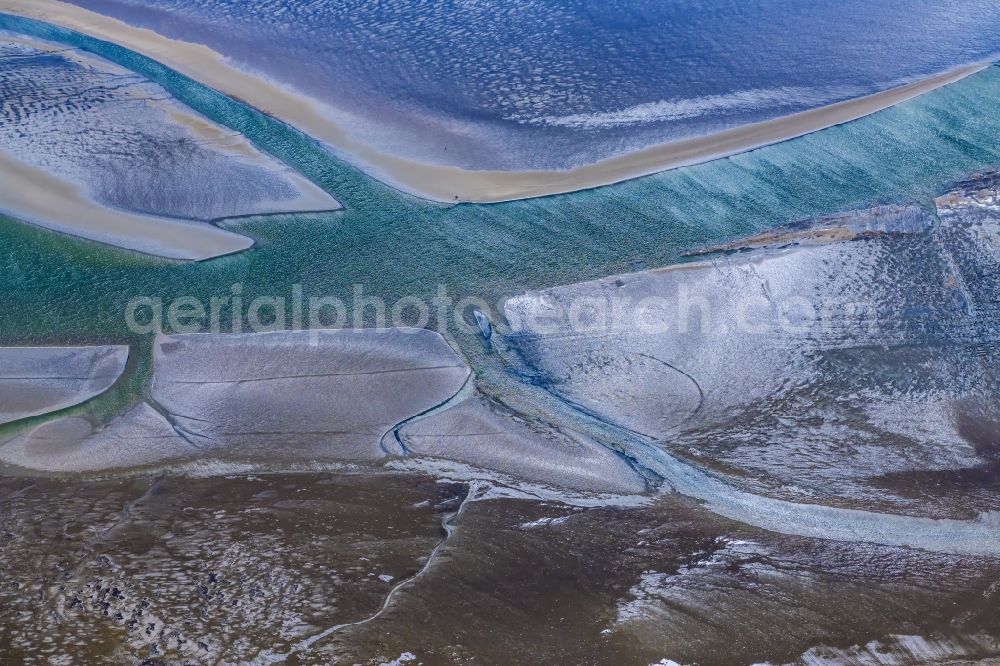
(451, 184)
(95, 150)
(32, 195)
(39, 380)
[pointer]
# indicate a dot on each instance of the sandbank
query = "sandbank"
(33, 195)
(453, 184)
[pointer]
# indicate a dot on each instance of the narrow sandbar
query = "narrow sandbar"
(90, 149)
(451, 184)
(35, 196)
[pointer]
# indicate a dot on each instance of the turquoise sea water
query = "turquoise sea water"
(57, 289)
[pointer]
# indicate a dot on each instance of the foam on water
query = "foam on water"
(550, 85)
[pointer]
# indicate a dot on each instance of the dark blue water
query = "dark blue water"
(515, 84)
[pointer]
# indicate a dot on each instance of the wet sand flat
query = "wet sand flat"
(30, 194)
(38, 380)
(451, 184)
(264, 399)
(788, 386)
(95, 150)
(179, 568)
(175, 569)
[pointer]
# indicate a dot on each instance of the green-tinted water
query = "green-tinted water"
(60, 289)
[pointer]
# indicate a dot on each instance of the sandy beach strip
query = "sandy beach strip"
(453, 184)
(33, 195)
(494, 186)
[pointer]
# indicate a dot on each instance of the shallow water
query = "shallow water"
(89, 565)
(127, 144)
(389, 245)
(446, 82)
(395, 245)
